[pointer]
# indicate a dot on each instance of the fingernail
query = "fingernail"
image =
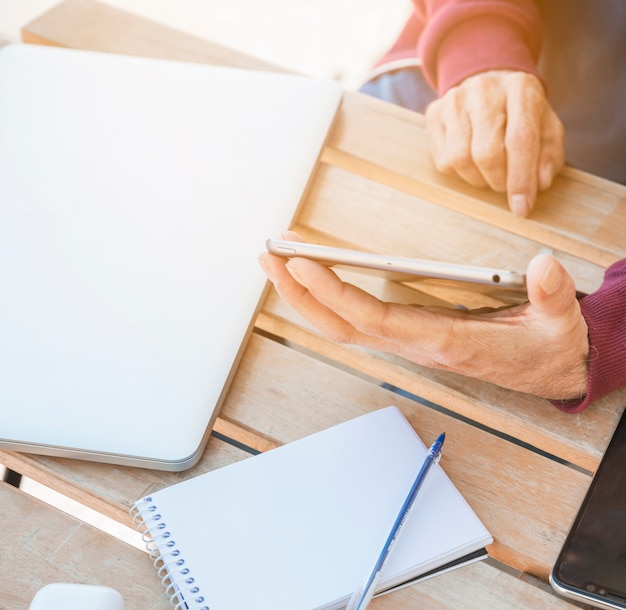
(551, 279)
(519, 205)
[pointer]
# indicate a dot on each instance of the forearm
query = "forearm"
(605, 314)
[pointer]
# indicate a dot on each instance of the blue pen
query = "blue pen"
(363, 595)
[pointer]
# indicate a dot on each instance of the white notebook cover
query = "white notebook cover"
(135, 197)
(298, 527)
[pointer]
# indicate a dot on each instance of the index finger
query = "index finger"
(298, 296)
(373, 323)
(525, 105)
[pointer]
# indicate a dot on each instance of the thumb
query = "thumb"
(550, 287)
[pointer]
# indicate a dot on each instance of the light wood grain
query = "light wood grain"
(48, 546)
(580, 439)
(572, 216)
(500, 479)
(108, 488)
(376, 189)
(350, 210)
(581, 215)
(485, 587)
(44, 546)
(377, 161)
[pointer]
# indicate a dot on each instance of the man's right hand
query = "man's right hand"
(497, 129)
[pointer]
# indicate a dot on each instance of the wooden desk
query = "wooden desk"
(522, 465)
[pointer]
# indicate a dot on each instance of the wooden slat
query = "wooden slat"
(500, 480)
(377, 158)
(580, 439)
(484, 587)
(107, 488)
(573, 216)
(581, 215)
(43, 545)
(244, 435)
(356, 212)
(505, 497)
(390, 143)
(48, 546)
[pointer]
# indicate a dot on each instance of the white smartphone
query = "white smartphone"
(591, 567)
(405, 267)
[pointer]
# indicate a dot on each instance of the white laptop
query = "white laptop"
(124, 183)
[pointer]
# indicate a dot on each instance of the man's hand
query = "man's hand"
(540, 347)
(497, 129)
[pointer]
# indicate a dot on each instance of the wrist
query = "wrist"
(477, 45)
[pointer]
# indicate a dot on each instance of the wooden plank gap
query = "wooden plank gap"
(244, 435)
(29, 467)
(471, 409)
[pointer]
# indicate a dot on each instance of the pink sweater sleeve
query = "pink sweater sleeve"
(605, 314)
(459, 38)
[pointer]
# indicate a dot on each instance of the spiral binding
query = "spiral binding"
(176, 578)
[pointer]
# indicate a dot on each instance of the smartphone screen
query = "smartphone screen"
(592, 564)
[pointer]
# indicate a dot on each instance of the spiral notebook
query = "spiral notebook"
(297, 528)
(135, 197)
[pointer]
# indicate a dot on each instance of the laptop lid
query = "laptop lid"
(135, 196)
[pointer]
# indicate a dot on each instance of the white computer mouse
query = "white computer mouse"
(67, 596)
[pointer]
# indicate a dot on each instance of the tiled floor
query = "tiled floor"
(329, 38)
